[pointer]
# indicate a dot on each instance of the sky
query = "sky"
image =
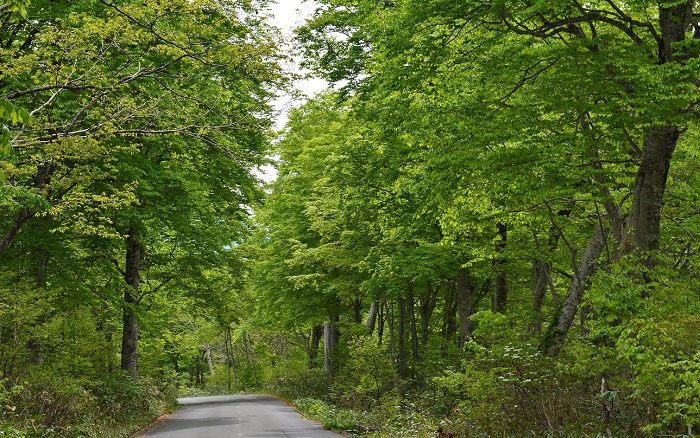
(286, 15)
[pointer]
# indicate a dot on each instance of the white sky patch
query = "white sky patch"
(286, 15)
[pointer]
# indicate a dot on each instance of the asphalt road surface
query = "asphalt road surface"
(248, 416)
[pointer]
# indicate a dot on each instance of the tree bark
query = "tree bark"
(22, 217)
(329, 342)
(465, 305)
(541, 278)
(316, 335)
(427, 306)
(372, 317)
(559, 328)
(401, 337)
(500, 296)
(449, 324)
(410, 301)
(135, 252)
(643, 227)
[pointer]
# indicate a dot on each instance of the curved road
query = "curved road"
(247, 416)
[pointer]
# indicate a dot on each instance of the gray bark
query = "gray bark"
(372, 317)
(465, 305)
(564, 318)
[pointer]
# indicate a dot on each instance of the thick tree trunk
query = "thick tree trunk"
(465, 305)
(643, 226)
(372, 317)
(330, 340)
(130, 332)
(564, 318)
(500, 296)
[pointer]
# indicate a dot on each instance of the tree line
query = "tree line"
(504, 193)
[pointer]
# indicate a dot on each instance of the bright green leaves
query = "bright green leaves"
(15, 115)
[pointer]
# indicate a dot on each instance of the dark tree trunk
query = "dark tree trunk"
(401, 337)
(643, 226)
(410, 301)
(14, 229)
(357, 311)
(380, 325)
(316, 336)
(465, 305)
(449, 323)
(542, 278)
(130, 333)
(559, 328)
(500, 296)
(427, 306)
(392, 334)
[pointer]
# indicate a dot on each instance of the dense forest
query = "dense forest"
(487, 226)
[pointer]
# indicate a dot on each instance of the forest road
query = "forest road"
(248, 416)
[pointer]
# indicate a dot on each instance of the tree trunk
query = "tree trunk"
(316, 335)
(401, 338)
(251, 357)
(465, 303)
(427, 305)
(541, 278)
(500, 296)
(135, 252)
(392, 335)
(564, 318)
(210, 361)
(380, 325)
(645, 217)
(372, 317)
(410, 301)
(328, 329)
(357, 311)
(449, 324)
(22, 217)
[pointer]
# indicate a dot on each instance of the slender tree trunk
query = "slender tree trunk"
(401, 337)
(392, 336)
(210, 361)
(251, 357)
(410, 301)
(316, 336)
(449, 324)
(372, 317)
(357, 311)
(500, 296)
(135, 252)
(380, 325)
(564, 318)
(427, 306)
(465, 301)
(22, 217)
(541, 278)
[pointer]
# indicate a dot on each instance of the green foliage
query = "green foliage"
(333, 418)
